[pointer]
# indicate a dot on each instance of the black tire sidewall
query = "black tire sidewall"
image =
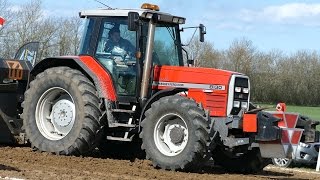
(163, 109)
(41, 86)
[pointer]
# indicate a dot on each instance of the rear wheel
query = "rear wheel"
(175, 133)
(61, 112)
(282, 162)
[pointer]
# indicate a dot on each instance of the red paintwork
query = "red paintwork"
(102, 75)
(285, 139)
(250, 123)
(215, 101)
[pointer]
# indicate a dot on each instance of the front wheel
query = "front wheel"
(175, 133)
(61, 112)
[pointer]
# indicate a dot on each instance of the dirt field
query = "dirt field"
(23, 163)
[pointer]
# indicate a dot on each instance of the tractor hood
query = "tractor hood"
(192, 77)
(214, 88)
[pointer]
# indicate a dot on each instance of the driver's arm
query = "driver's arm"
(108, 46)
(129, 47)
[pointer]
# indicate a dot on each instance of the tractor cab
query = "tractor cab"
(129, 42)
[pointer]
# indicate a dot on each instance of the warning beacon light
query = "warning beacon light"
(150, 6)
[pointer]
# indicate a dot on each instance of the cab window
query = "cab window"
(116, 52)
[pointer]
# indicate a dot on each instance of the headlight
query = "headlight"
(236, 104)
(245, 90)
(237, 89)
(304, 145)
(244, 105)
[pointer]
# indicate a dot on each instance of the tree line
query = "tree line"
(28, 22)
(275, 76)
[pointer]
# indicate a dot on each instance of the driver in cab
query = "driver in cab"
(117, 45)
(122, 50)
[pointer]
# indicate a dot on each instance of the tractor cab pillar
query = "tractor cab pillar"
(148, 60)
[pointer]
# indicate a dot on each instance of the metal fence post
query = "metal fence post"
(318, 162)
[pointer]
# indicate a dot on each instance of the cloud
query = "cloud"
(291, 13)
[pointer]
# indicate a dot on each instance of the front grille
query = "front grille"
(240, 97)
(216, 103)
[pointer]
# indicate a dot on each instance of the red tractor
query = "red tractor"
(130, 80)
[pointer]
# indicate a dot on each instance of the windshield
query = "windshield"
(167, 46)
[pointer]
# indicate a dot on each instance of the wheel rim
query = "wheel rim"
(171, 134)
(281, 161)
(55, 113)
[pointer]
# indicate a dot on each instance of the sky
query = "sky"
(286, 25)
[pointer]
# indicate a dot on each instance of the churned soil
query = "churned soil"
(24, 163)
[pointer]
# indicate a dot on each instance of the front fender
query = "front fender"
(157, 96)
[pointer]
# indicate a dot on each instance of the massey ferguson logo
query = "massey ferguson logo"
(15, 70)
(217, 87)
(191, 85)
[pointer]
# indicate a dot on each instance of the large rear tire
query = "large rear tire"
(61, 112)
(175, 133)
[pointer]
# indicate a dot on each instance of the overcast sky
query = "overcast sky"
(270, 24)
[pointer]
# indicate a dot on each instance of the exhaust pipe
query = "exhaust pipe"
(148, 61)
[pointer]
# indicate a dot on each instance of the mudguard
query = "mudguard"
(87, 65)
(157, 96)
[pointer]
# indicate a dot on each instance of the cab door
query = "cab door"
(116, 52)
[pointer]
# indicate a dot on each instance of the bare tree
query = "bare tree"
(203, 53)
(240, 56)
(5, 12)
(68, 39)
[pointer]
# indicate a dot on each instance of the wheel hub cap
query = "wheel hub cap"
(171, 134)
(55, 113)
(62, 113)
(176, 135)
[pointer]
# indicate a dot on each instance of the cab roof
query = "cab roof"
(143, 13)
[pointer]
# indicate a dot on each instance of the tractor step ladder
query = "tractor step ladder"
(112, 138)
(122, 111)
(124, 125)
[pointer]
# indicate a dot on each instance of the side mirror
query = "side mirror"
(202, 31)
(133, 21)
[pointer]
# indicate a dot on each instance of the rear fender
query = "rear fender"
(88, 66)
